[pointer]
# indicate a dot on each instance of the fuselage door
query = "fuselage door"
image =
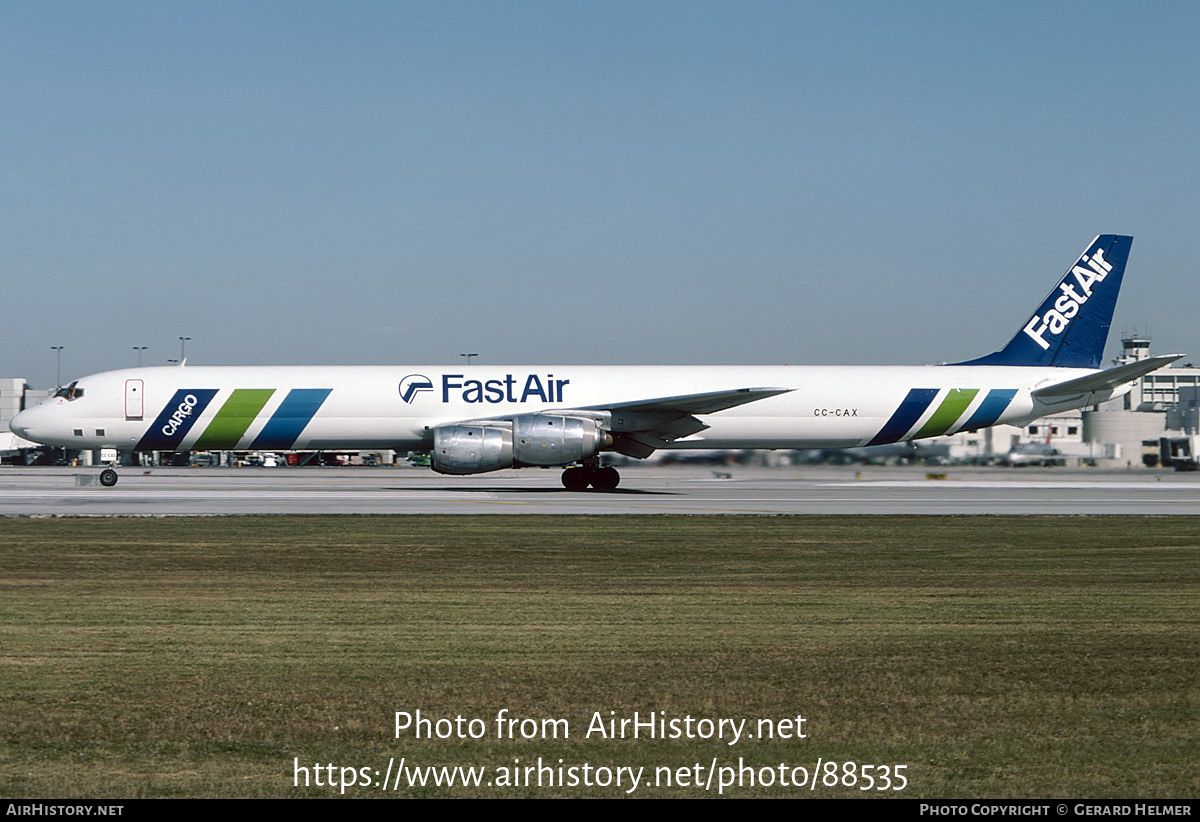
(133, 399)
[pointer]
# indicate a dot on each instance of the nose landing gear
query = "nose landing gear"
(108, 478)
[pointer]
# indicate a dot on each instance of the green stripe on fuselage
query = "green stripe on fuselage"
(953, 407)
(235, 416)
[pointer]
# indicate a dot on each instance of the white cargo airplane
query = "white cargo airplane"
(483, 418)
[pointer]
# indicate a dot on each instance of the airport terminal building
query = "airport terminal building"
(15, 396)
(1162, 406)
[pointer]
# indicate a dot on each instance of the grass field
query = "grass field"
(992, 657)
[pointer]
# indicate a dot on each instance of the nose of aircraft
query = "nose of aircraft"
(24, 424)
(19, 424)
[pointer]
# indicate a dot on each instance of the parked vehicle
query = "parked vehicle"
(1034, 454)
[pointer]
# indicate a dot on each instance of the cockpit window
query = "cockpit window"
(70, 392)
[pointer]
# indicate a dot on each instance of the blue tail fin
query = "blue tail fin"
(1070, 327)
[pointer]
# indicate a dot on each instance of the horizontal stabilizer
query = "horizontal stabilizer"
(1104, 380)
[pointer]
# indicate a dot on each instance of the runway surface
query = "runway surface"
(646, 489)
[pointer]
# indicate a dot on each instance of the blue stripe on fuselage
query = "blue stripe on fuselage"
(293, 414)
(906, 415)
(176, 419)
(993, 405)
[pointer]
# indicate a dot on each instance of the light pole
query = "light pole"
(183, 348)
(140, 349)
(468, 356)
(57, 349)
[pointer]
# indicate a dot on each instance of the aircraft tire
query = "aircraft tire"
(108, 478)
(605, 479)
(576, 479)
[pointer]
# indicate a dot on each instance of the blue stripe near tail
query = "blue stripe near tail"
(990, 409)
(906, 415)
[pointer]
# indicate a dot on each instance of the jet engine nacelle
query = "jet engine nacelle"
(529, 439)
(471, 449)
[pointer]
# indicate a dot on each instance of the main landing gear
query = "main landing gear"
(591, 473)
(108, 478)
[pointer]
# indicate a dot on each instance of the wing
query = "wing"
(640, 427)
(634, 428)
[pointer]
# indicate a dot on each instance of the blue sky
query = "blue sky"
(571, 182)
